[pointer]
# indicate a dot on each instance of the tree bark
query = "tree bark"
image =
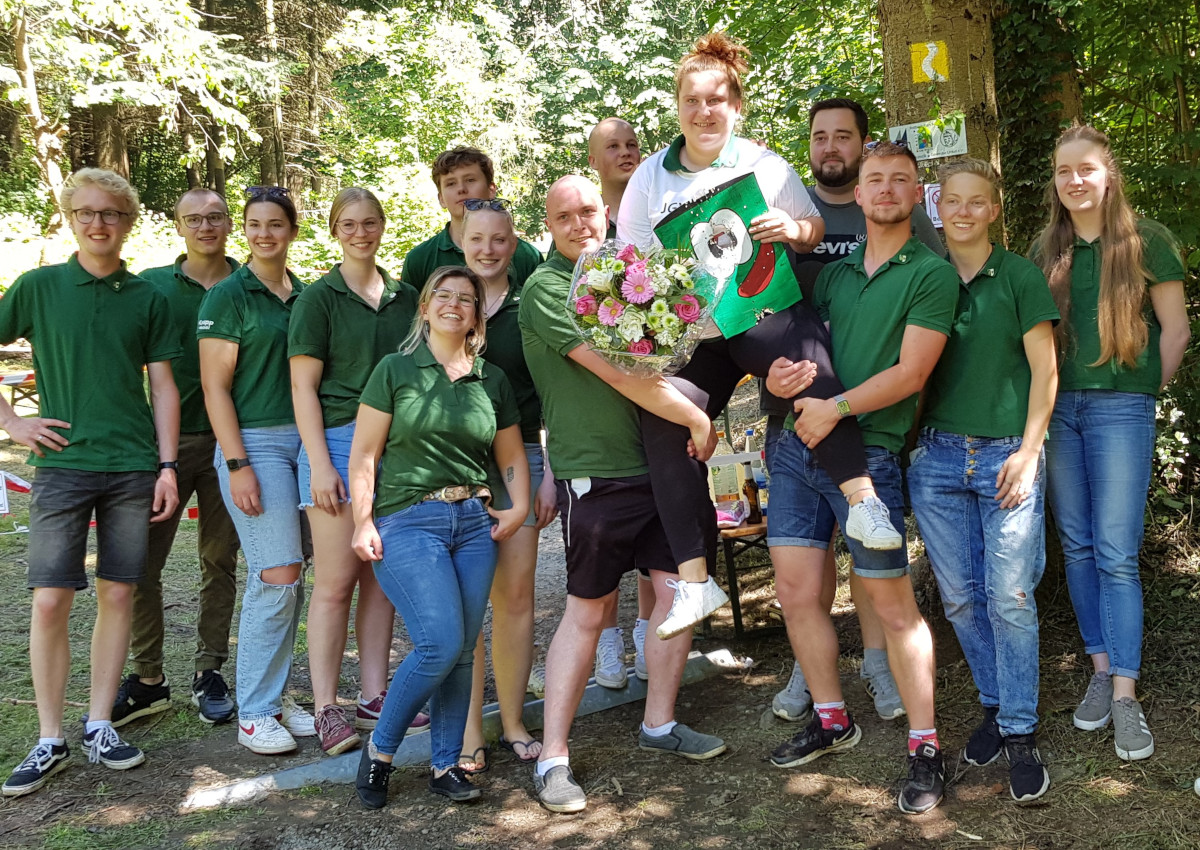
(47, 135)
(108, 137)
(272, 160)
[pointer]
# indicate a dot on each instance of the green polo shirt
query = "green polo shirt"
(241, 309)
(1163, 262)
(184, 296)
(442, 430)
(504, 349)
(333, 324)
(867, 319)
(592, 430)
(91, 338)
(440, 250)
(980, 386)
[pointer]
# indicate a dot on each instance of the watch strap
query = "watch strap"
(168, 464)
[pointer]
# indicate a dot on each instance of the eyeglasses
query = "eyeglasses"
(270, 193)
(86, 216)
(900, 143)
(348, 227)
(493, 204)
(192, 222)
(445, 296)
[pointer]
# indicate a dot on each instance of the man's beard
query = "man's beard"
(835, 174)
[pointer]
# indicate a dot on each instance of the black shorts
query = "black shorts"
(610, 526)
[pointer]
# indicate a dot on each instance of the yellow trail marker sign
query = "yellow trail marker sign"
(930, 61)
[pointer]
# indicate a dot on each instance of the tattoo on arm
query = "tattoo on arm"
(509, 475)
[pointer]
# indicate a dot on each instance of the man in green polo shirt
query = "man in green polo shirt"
(890, 307)
(610, 524)
(202, 219)
(93, 328)
(461, 175)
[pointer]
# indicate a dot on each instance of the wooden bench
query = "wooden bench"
(22, 386)
(735, 542)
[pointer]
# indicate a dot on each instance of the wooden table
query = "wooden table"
(734, 542)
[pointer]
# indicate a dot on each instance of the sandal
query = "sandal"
(511, 746)
(474, 758)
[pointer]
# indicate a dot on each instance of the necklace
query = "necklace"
(490, 307)
(263, 277)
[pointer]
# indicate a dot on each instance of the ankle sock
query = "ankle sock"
(544, 766)
(52, 742)
(833, 715)
(658, 731)
(916, 737)
(92, 725)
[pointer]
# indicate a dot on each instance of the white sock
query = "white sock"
(610, 632)
(51, 742)
(545, 766)
(658, 731)
(92, 725)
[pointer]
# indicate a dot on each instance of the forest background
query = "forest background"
(318, 95)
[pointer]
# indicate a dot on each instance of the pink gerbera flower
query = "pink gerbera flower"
(637, 287)
(609, 312)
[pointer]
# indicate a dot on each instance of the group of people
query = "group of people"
(403, 420)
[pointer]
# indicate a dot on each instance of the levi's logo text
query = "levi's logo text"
(840, 244)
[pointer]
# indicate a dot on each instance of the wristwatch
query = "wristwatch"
(168, 464)
(843, 406)
(236, 463)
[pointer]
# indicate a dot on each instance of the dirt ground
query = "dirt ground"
(638, 799)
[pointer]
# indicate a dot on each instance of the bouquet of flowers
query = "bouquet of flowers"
(644, 311)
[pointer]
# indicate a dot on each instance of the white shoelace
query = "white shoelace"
(38, 758)
(104, 739)
(610, 653)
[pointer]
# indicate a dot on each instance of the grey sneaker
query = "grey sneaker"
(639, 647)
(683, 741)
(882, 688)
(871, 525)
(1096, 709)
(558, 791)
(794, 703)
(1132, 738)
(610, 660)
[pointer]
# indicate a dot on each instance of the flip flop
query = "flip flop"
(511, 746)
(473, 757)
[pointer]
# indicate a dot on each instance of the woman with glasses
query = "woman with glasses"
(1118, 282)
(430, 419)
(490, 242)
(243, 325)
(341, 327)
(707, 154)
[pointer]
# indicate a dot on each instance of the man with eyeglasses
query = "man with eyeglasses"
(465, 180)
(100, 446)
(202, 219)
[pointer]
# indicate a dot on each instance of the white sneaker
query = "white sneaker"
(265, 736)
(794, 703)
(639, 645)
(296, 720)
(610, 661)
(870, 524)
(693, 602)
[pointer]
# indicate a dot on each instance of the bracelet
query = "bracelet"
(168, 464)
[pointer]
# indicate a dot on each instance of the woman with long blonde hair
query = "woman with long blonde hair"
(1117, 279)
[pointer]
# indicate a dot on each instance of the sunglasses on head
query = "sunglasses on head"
(270, 193)
(493, 204)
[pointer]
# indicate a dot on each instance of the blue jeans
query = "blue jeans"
(1098, 461)
(270, 612)
(806, 504)
(437, 567)
(988, 561)
(337, 441)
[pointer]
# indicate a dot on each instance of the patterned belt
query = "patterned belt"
(458, 493)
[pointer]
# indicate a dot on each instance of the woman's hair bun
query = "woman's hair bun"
(724, 49)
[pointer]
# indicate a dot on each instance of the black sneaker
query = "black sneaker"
(135, 700)
(43, 761)
(922, 788)
(105, 746)
(1028, 778)
(814, 742)
(455, 784)
(372, 780)
(210, 694)
(986, 742)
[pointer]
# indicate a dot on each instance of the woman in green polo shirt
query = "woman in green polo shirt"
(341, 327)
(490, 242)
(430, 419)
(1118, 282)
(975, 477)
(242, 327)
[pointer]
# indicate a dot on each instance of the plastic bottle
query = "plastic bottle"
(724, 477)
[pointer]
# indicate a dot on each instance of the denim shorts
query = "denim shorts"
(537, 471)
(271, 539)
(806, 505)
(338, 441)
(62, 506)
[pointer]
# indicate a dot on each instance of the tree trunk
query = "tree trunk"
(108, 136)
(272, 160)
(47, 135)
(214, 162)
(962, 37)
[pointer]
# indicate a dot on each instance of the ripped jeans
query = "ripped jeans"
(270, 612)
(987, 561)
